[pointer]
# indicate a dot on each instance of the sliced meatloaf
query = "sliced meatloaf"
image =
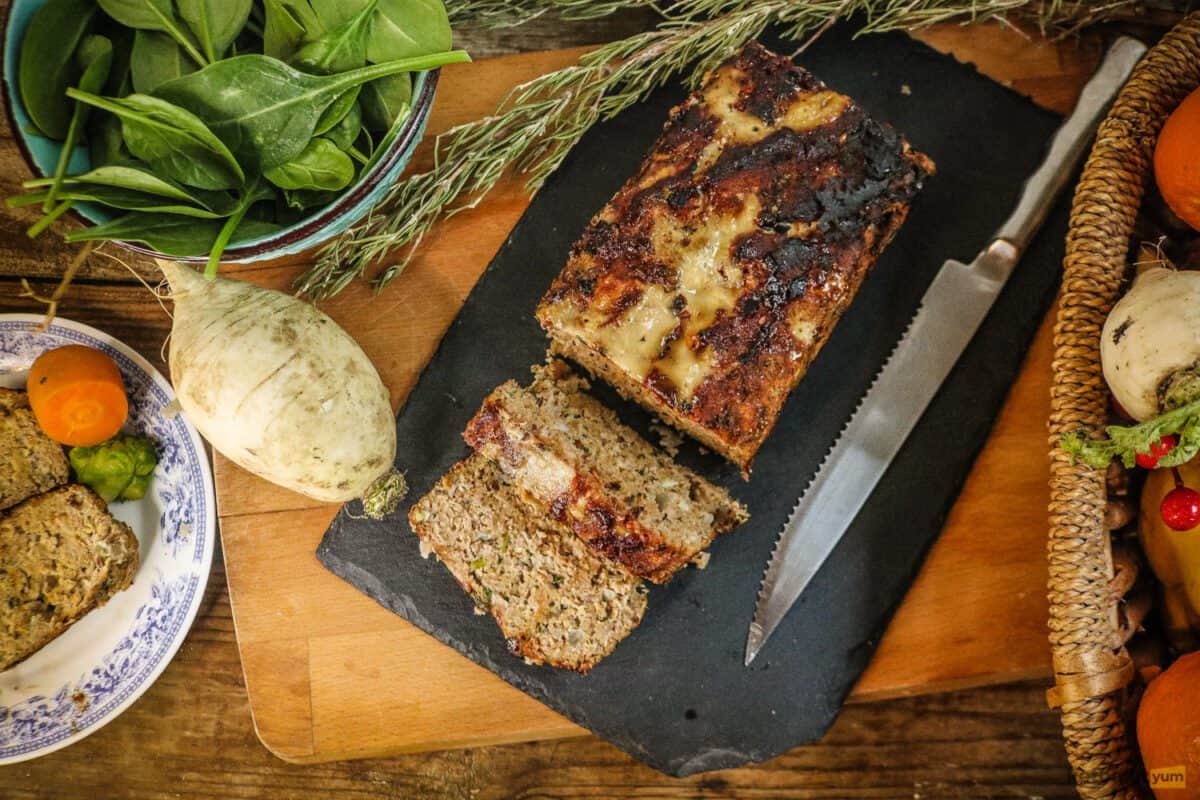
(30, 461)
(61, 555)
(556, 601)
(573, 457)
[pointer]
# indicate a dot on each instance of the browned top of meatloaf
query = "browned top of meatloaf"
(714, 275)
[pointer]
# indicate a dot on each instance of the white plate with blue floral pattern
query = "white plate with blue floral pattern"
(96, 669)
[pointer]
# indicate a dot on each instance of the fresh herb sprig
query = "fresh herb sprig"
(510, 13)
(1060, 15)
(540, 121)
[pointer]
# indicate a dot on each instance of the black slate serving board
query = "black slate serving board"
(675, 693)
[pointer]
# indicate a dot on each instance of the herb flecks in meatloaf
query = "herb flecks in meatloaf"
(709, 282)
(556, 601)
(61, 555)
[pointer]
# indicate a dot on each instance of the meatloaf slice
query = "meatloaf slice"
(30, 461)
(707, 285)
(573, 457)
(555, 600)
(61, 555)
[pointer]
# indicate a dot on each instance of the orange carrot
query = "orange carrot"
(77, 395)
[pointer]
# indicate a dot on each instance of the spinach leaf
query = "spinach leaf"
(45, 68)
(258, 190)
(169, 234)
(156, 59)
(95, 61)
(152, 15)
(304, 199)
(266, 111)
(337, 111)
(406, 28)
(119, 81)
(124, 199)
(286, 23)
(138, 179)
(321, 165)
(105, 143)
(140, 14)
(173, 141)
(346, 130)
(338, 49)
(386, 100)
(401, 28)
(215, 23)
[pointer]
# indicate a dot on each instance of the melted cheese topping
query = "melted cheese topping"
(635, 340)
(708, 281)
(810, 110)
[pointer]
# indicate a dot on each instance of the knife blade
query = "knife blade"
(950, 313)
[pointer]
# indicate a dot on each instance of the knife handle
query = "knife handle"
(1070, 143)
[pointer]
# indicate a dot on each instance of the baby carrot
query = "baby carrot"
(77, 395)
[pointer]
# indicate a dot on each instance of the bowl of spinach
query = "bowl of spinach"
(218, 130)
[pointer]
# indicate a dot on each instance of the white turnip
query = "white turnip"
(277, 387)
(1150, 346)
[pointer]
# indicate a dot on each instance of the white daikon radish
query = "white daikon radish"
(277, 387)
(1150, 347)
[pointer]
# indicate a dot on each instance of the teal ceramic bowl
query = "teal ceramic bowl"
(355, 201)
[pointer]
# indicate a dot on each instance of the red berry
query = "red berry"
(1157, 450)
(1181, 508)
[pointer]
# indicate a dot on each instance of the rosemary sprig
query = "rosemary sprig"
(540, 121)
(507, 14)
(510, 13)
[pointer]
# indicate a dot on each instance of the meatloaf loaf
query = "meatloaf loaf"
(706, 286)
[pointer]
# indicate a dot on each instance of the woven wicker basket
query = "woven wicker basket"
(1093, 670)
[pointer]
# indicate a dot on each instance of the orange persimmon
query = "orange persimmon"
(1168, 731)
(77, 395)
(1177, 160)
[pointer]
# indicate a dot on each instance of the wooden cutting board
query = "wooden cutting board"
(332, 675)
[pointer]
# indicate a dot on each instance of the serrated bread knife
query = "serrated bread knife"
(951, 311)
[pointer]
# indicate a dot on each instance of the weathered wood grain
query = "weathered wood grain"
(191, 736)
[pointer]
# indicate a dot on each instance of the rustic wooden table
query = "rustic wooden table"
(191, 734)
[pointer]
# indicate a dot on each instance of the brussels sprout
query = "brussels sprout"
(119, 469)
